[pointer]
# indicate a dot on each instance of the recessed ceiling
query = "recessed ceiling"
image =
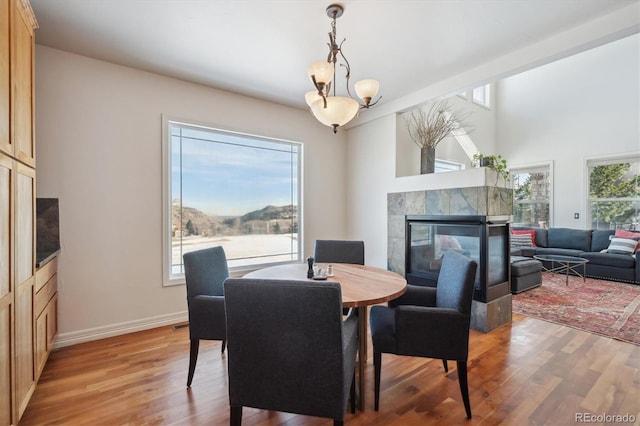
(262, 48)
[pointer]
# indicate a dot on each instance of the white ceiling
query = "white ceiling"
(262, 48)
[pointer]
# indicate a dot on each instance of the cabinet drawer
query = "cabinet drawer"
(45, 273)
(45, 294)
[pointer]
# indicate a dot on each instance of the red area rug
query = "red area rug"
(608, 308)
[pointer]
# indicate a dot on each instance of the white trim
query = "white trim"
(90, 334)
(166, 205)
(611, 158)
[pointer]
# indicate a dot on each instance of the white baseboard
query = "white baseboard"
(88, 335)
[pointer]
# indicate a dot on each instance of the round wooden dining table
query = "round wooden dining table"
(361, 286)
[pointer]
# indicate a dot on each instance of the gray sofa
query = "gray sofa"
(588, 244)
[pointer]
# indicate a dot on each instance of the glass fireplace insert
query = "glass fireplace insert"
(482, 238)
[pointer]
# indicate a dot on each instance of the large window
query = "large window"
(531, 193)
(230, 189)
(614, 193)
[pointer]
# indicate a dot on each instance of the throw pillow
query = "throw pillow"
(530, 232)
(523, 240)
(622, 246)
(448, 242)
(628, 234)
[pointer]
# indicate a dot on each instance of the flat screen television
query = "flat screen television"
(47, 229)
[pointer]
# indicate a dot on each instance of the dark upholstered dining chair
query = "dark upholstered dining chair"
(429, 322)
(339, 251)
(205, 271)
(289, 348)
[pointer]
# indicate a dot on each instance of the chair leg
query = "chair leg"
(377, 365)
(236, 416)
(193, 358)
(353, 393)
(224, 345)
(446, 366)
(464, 386)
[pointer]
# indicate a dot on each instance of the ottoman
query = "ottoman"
(526, 273)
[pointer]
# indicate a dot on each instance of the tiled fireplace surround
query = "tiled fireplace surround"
(472, 200)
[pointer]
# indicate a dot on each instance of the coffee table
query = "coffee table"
(565, 265)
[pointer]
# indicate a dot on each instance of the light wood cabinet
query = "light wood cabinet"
(5, 142)
(24, 359)
(18, 291)
(25, 278)
(6, 361)
(7, 294)
(22, 49)
(46, 313)
(46, 331)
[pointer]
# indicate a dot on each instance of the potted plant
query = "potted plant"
(427, 128)
(494, 162)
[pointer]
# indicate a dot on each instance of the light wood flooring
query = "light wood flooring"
(529, 372)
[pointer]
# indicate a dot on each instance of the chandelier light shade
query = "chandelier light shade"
(311, 97)
(329, 109)
(339, 110)
(367, 89)
(320, 72)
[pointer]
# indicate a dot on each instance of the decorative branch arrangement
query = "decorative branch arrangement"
(428, 129)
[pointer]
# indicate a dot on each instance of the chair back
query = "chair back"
(205, 271)
(456, 282)
(285, 346)
(339, 251)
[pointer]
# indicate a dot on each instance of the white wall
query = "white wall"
(581, 107)
(370, 176)
(595, 99)
(98, 133)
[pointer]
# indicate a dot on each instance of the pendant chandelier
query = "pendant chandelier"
(329, 109)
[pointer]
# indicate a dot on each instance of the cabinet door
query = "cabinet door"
(46, 331)
(6, 289)
(25, 223)
(25, 284)
(46, 310)
(52, 322)
(6, 360)
(22, 53)
(5, 141)
(41, 342)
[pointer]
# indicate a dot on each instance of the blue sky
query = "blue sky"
(227, 179)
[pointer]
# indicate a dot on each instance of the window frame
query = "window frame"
(532, 168)
(629, 157)
(170, 279)
(486, 99)
(447, 166)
